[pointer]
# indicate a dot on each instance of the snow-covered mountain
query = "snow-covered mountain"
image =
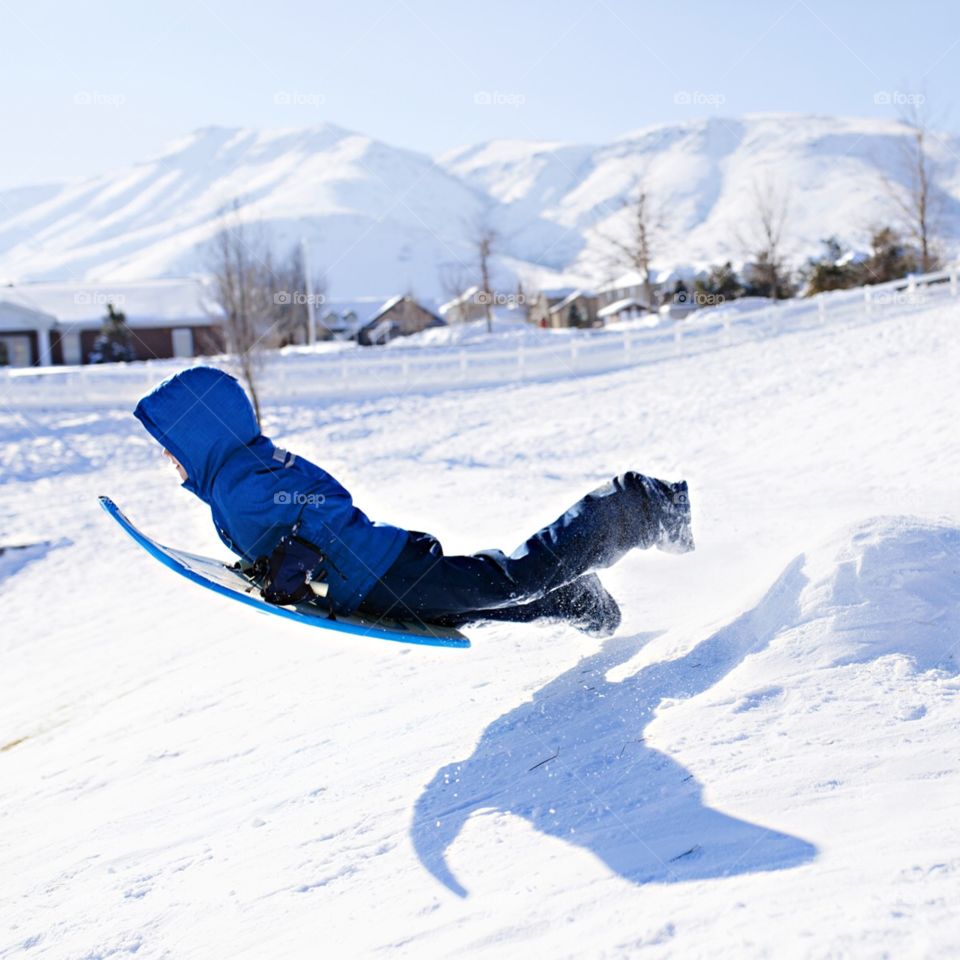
(381, 218)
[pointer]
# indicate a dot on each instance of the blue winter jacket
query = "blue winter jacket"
(258, 491)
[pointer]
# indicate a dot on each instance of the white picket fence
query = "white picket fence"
(356, 372)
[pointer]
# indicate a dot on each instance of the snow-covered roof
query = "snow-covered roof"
(679, 271)
(392, 302)
(632, 278)
(467, 294)
(364, 308)
(618, 306)
(145, 303)
(573, 295)
(15, 316)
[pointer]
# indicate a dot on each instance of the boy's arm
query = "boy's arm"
(288, 574)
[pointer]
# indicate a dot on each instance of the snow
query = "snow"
(762, 762)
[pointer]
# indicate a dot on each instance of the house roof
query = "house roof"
(618, 306)
(567, 300)
(632, 278)
(392, 302)
(15, 316)
(444, 308)
(145, 303)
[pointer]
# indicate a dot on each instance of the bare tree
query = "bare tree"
(240, 264)
(636, 251)
(764, 239)
(454, 280)
(484, 241)
(289, 295)
(918, 199)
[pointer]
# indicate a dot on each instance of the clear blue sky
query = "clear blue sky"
(90, 86)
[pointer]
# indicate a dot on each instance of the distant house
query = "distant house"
(626, 309)
(398, 317)
(44, 323)
(25, 335)
(667, 288)
(564, 308)
(467, 306)
(628, 286)
(341, 325)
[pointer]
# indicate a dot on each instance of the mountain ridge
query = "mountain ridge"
(381, 218)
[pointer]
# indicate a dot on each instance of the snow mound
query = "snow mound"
(573, 760)
(885, 586)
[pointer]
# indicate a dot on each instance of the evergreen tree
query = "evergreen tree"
(114, 342)
(890, 257)
(718, 285)
(827, 273)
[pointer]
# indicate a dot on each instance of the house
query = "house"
(628, 286)
(564, 308)
(58, 322)
(626, 309)
(342, 319)
(465, 307)
(398, 317)
(667, 288)
(25, 335)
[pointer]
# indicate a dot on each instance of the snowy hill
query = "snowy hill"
(700, 177)
(383, 219)
(761, 762)
(370, 210)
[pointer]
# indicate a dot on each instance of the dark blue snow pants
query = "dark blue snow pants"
(540, 578)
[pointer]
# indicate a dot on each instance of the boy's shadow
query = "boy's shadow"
(573, 763)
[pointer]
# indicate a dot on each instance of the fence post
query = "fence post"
(627, 342)
(867, 301)
(677, 335)
(521, 361)
(953, 281)
(573, 352)
(821, 308)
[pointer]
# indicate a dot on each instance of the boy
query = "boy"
(299, 526)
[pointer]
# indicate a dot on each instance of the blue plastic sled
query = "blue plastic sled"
(231, 582)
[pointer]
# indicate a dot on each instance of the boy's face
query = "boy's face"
(176, 463)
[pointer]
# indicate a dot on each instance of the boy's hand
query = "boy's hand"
(287, 572)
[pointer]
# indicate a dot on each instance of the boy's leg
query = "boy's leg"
(630, 511)
(583, 602)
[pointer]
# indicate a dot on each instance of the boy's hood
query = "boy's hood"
(201, 416)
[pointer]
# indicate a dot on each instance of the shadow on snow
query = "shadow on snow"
(573, 763)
